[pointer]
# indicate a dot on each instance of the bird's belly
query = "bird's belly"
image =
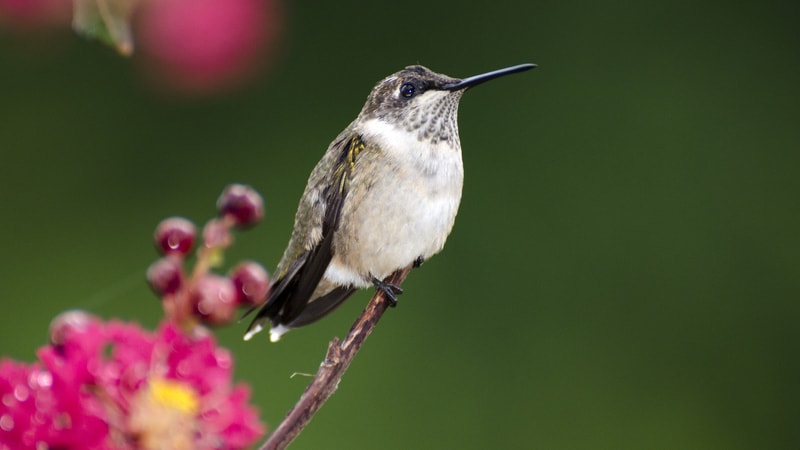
(391, 226)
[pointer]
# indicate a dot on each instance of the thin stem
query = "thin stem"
(332, 368)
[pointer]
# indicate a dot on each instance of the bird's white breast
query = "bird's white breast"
(409, 210)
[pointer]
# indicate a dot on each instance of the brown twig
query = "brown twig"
(331, 370)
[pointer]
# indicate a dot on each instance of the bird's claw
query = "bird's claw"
(389, 290)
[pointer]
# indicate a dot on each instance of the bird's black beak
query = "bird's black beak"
(478, 79)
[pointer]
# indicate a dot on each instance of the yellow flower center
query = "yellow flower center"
(174, 395)
(164, 415)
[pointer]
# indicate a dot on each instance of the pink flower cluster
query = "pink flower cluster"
(113, 385)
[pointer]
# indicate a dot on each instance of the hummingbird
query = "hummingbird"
(384, 196)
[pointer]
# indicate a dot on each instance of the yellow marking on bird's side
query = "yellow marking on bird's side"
(356, 145)
(353, 150)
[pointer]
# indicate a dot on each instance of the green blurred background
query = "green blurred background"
(624, 270)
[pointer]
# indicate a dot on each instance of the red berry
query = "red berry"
(214, 299)
(175, 235)
(252, 283)
(165, 276)
(242, 203)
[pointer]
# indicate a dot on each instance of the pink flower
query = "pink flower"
(45, 403)
(205, 45)
(113, 385)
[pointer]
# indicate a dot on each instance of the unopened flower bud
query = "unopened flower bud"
(66, 323)
(216, 234)
(242, 203)
(252, 283)
(175, 235)
(214, 299)
(165, 276)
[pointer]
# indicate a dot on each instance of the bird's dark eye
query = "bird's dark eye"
(407, 90)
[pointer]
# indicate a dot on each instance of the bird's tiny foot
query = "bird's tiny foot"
(391, 291)
(418, 262)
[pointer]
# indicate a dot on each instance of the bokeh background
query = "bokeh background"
(624, 272)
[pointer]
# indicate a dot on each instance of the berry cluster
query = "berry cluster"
(199, 294)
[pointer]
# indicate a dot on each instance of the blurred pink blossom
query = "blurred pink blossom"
(205, 45)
